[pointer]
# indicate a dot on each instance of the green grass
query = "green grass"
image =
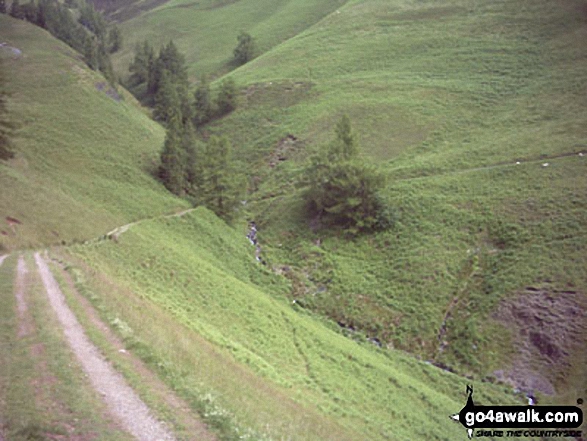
(445, 98)
(297, 377)
(83, 159)
(437, 94)
(206, 31)
(44, 392)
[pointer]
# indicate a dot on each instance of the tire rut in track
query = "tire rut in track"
(25, 326)
(121, 400)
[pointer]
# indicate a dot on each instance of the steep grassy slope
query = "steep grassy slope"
(83, 157)
(447, 99)
(186, 292)
(272, 368)
(206, 31)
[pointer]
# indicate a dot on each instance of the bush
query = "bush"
(245, 50)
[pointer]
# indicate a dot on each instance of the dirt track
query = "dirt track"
(119, 397)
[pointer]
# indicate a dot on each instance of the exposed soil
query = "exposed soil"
(284, 149)
(547, 326)
(25, 325)
(108, 90)
(121, 400)
(196, 428)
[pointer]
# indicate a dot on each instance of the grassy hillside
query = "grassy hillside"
(206, 31)
(483, 271)
(83, 155)
(185, 292)
(265, 365)
(447, 99)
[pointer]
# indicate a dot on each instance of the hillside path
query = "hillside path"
(124, 228)
(122, 401)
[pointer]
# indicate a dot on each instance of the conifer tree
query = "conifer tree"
(245, 49)
(16, 9)
(142, 65)
(114, 39)
(41, 19)
(345, 144)
(226, 100)
(167, 100)
(343, 189)
(203, 110)
(29, 11)
(91, 56)
(172, 169)
(105, 64)
(220, 185)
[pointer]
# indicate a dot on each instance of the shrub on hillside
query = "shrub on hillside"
(343, 189)
(245, 49)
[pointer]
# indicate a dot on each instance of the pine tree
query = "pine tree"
(342, 188)
(172, 61)
(203, 110)
(191, 148)
(105, 65)
(172, 169)
(29, 11)
(345, 143)
(220, 186)
(114, 39)
(167, 100)
(91, 56)
(16, 10)
(245, 49)
(41, 13)
(226, 100)
(141, 66)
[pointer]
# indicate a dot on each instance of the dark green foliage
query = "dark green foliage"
(92, 20)
(167, 100)
(2, 6)
(114, 39)
(41, 18)
(173, 159)
(226, 100)
(203, 109)
(161, 82)
(142, 65)
(171, 60)
(343, 188)
(91, 54)
(218, 185)
(58, 20)
(16, 9)
(345, 146)
(245, 49)
(29, 11)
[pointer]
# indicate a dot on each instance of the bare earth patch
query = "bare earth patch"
(121, 400)
(25, 325)
(547, 327)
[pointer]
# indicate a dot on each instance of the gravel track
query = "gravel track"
(1, 436)
(121, 400)
(24, 325)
